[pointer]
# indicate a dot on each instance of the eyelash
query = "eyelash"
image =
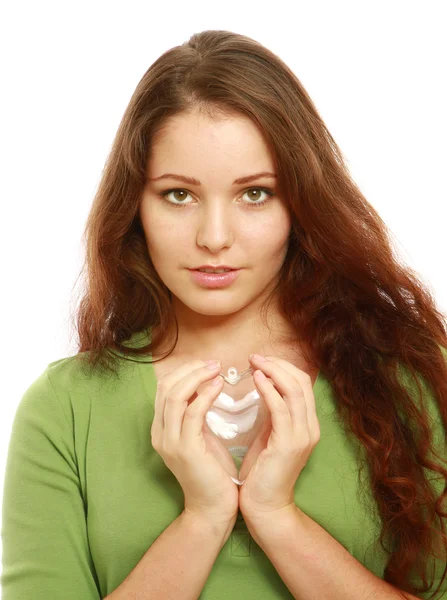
(251, 204)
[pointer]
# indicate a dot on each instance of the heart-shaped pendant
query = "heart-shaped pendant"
(236, 416)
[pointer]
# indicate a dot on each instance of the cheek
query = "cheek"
(283, 233)
(270, 240)
(166, 245)
(160, 231)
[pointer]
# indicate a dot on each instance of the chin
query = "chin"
(215, 308)
(213, 311)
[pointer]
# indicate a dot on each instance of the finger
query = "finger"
(292, 394)
(163, 386)
(194, 416)
(279, 411)
(183, 371)
(177, 400)
(305, 381)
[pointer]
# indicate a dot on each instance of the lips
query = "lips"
(214, 280)
(216, 271)
(215, 268)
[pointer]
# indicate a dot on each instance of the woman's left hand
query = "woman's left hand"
(287, 443)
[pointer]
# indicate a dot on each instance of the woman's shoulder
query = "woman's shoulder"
(75, 374)
(73, 384)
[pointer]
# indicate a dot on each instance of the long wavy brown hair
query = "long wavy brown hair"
(366, 317)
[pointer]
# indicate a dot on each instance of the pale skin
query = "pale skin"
(218, 226)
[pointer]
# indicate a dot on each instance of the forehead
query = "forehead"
(195, 139)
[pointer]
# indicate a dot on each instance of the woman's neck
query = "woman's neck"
(232, 346)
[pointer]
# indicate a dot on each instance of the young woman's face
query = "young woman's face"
(214, 221)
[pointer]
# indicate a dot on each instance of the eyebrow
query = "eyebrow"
(193, 181)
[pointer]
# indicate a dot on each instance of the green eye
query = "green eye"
(266, 191)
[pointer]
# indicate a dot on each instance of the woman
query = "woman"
(117, 485)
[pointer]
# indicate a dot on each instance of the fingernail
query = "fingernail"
(258, 357)
(212, 364)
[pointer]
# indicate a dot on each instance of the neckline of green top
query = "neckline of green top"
(142, 338)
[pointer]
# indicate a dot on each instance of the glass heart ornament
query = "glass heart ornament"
(236, 417)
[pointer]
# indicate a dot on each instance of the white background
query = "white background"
(375, 70)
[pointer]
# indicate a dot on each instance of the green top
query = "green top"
(85, 494)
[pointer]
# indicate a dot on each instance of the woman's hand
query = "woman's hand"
(177, 435)
(276, 458)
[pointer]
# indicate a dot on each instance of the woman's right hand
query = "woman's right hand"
(177, 435)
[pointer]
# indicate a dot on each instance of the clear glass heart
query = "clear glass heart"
(236, 416)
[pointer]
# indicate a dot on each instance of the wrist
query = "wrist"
(216, 526)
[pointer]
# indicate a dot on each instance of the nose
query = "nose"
(215, 229)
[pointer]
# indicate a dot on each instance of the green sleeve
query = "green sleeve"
(440, 445)
(44, 534)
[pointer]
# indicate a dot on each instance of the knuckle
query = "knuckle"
(168, 450)
(297, 390)
(192, 413)
(292, 391)
(198, 367)
(302, 379)
(170, 399)
(283, 409)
